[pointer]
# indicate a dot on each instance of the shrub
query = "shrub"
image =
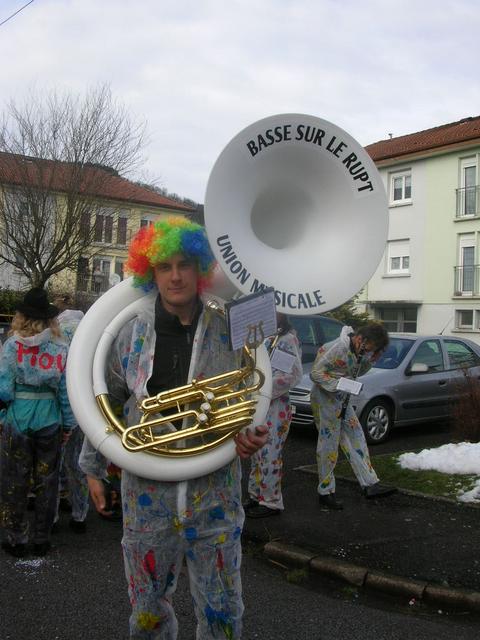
(8, 302)
(466, 412)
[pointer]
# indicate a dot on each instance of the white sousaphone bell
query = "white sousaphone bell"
(292, 203)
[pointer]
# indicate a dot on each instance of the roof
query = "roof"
(454, 133)
(93, 180)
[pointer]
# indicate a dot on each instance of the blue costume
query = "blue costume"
(32, 384)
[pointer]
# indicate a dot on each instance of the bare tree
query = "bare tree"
(61, 158)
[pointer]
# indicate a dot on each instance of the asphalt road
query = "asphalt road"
(78, 592)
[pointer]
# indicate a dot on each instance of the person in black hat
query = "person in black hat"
(37, 416)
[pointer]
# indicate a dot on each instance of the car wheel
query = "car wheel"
(377, 421)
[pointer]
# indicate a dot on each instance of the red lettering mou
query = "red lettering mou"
(45, 360)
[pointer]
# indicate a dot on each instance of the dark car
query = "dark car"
(417, 379)
(313, 331)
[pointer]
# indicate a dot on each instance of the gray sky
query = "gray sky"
(200, 71)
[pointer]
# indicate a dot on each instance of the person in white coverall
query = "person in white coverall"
(174, 339)
(265, 479)
(350, 355)
(73, 481)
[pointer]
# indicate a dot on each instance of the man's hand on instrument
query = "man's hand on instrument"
(251, 440)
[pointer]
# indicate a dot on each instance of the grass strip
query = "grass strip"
(432, 483)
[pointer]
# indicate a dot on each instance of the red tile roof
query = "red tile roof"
(94, 181)
(460, 132)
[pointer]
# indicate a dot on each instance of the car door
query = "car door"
(425, 396)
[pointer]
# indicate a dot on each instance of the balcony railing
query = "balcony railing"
(468, 201)
(466, 280)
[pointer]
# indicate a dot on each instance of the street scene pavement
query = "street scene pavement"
(79, 591)
(409, 536)
(417, 547)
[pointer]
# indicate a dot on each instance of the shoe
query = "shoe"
(378, 490)
(329, 501)
(15, 550)
(261, 511)
(78, 526)
(41, 549)
(248, 504)
(64, 505)
(115, 515)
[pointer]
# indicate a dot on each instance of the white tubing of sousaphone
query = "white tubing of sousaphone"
(87, 361)
(294, 202)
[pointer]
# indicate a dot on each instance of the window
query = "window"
(467, 196)
(464, 319)
(122, 230)
(100, 274)
(401, 187)
(460, 355)
(19, 260)
(119, 267)
(394, 354)
(85, 225)
(147, 220)
(104, 226)
(398, 257)
(466, 271)
(82, 274)
(108, 230)
(398, 319)
(430, 353)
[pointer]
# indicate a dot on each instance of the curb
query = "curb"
(359, 576)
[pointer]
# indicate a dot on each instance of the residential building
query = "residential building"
(429, 278)
(115, 209)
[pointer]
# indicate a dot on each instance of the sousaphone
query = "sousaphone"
(294, 203)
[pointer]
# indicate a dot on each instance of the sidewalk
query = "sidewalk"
(407, 544)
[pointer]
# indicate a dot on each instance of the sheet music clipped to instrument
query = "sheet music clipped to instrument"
(252, 318)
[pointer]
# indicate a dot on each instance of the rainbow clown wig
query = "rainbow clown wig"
(162, 240)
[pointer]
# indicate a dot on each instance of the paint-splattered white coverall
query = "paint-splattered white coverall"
(165, 523)
(72, 478)
(336, 360)
(265, 480)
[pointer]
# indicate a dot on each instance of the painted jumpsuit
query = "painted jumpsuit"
(164, 523)
(32, 383)
(336, 360)
(265, 480)
(72, 479)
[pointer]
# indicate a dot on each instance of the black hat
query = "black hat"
(35, 305)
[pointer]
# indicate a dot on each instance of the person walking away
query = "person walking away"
(350, 355)
(265, 478)
(174, 339)
(36, 419)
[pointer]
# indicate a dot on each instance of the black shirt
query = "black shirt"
(173, 349)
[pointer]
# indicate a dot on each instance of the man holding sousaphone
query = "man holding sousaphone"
(165, 522)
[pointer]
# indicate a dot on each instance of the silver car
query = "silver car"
(416, 379)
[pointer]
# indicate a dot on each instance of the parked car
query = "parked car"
(417, 379)
(313, 331)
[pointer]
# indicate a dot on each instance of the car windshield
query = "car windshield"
(394, 354)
